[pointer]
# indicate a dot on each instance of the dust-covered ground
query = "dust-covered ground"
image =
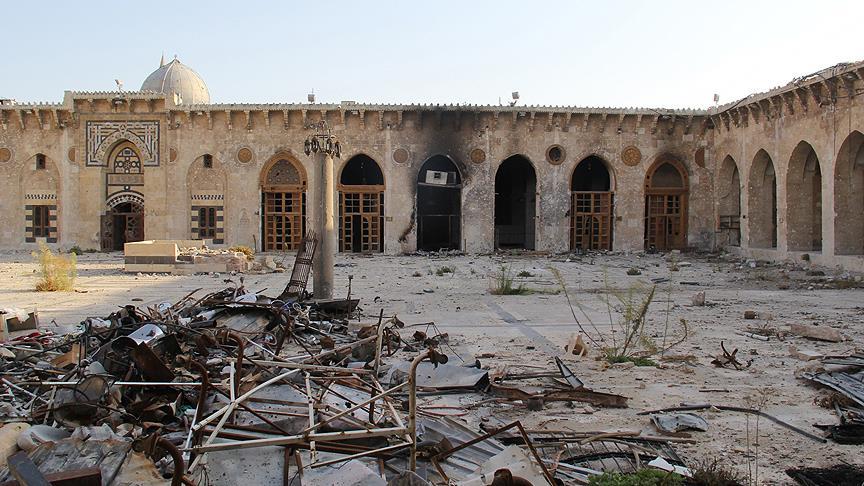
(523, 333)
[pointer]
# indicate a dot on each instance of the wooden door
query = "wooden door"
(665, 225)
(591, 220)
(361, 220)
(282, 215)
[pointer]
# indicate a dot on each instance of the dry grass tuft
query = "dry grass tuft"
(58, 271)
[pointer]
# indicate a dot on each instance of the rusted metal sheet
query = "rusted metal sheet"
(560, 395)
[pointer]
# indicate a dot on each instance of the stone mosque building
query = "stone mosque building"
(774, 175)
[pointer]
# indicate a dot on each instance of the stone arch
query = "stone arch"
(604, 158)
(849, 196)
(762, 202)
(804, 200)
(283, 168)
(729, 203)
(439, 204)
(361, 205)
(585, 176)
(206, 188)
(361, 169)
(515, 203)
(125, 197)
(591, 204)
(203, 178)
(123, 222)
(283, 202)
(666, 194)
(108, 146)
(125, 158)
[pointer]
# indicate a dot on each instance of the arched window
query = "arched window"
(125, 159)
(361, 206)
(283, 203)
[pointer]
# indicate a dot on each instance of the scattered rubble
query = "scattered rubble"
(261, 386)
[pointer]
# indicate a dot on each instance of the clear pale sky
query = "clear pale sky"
(612, 53)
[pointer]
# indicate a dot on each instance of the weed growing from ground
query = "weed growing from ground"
(57, 272)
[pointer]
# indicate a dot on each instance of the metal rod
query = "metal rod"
(412, 405)
(300, 439)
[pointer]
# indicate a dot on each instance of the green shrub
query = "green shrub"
(637, 360)
(57, 272)
(441, 271)
(503, 284)
(645, 477)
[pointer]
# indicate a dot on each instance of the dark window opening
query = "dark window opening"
(208, 161)
(40, 162)
(591, 175)
(41, 221)
(206, 222)
(555, 154)
(362, 170)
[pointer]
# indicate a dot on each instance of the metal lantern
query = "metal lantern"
(322, 141)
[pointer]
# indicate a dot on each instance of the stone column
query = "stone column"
(325, 226)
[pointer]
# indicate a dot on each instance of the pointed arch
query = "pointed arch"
(283, 202)
(108, 146)
(361, 205)
(804, 200)
(125, 158)
(439, 204)
(591, 205)
(666, 194)
(729, 203)
(283, 169)
(361, 170)
(762, 202)
(849, 196)
(515, 203)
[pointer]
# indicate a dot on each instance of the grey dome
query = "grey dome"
(178, 79)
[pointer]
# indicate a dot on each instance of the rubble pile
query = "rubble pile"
(184, 392)
(237, 387)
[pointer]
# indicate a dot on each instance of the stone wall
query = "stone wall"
(241, 139)
(807, 139)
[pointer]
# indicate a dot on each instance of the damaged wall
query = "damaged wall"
(241, 139)
(803, 141)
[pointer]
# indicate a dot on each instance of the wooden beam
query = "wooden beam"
(23, 469)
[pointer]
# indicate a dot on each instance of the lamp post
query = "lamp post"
(323, 145)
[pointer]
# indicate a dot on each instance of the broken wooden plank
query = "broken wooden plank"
(25, 471)
(88, 476)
